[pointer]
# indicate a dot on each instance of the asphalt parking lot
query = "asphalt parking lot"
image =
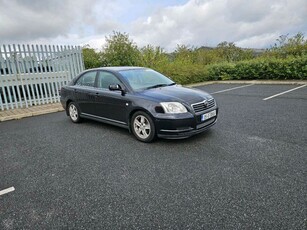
(246, 172)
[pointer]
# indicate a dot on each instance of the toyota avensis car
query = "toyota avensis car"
(141, 100)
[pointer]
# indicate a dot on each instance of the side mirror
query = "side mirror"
(117, 87)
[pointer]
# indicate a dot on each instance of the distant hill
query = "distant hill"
(206, 48)
(256, 51)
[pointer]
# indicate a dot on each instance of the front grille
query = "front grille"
(203, 106)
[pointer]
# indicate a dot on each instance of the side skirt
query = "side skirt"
(105, 120)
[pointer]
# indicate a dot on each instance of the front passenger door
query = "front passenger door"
(110, 105)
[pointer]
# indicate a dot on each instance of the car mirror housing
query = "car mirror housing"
(116, 87)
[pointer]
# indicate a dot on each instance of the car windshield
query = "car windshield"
(140, 79)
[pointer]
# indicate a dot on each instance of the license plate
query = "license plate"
(207, 116)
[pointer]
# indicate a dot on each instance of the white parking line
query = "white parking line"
(11, 189)
(225, 90)
(276, 95)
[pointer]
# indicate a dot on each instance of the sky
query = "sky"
(164, 23)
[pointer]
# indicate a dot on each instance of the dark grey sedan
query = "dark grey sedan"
(142, 100)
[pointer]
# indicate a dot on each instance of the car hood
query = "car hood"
(175, 93)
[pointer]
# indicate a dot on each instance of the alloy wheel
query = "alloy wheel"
(142, 127)
(73, 112)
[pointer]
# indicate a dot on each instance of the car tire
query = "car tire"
(74, 112)
(143, 127)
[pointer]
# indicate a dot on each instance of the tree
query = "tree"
(207, 55)
(120, 51)
(285, 46)
(153, 56)
(231, 53)
(91, 58)
(184, 54)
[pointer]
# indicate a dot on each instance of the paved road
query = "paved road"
(247, 172)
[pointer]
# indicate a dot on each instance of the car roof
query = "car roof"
(119, 68)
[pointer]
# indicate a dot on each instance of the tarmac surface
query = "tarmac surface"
(246, 172)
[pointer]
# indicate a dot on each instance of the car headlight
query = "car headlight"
(173, 107)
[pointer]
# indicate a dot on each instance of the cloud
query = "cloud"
(248, 11)
(210, 22)
(262, 40)
(162, 23)
(23, 20)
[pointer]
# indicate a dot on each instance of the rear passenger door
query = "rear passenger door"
(84, 92)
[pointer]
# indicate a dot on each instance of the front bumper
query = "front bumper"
(179, 128)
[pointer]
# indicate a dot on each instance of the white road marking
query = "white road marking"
(276, 95)
(225, 90)
(11, 189)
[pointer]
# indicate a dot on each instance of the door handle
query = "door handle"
(94, 94)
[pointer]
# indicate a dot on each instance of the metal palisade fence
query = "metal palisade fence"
(34, 74)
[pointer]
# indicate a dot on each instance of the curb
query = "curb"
(30, 114)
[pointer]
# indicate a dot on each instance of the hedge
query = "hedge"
(184, 73)
(261, 68)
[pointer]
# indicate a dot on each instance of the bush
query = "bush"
(91, 58)
(120, 50)
(185, 74)
(285, 60)
(261, 68)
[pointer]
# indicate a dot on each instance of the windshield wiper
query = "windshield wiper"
(160, 85)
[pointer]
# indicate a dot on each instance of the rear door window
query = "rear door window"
(87, 79)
